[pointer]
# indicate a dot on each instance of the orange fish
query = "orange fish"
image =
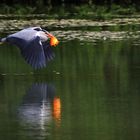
(53, 40)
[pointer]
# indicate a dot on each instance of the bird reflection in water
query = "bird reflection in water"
(40, 107)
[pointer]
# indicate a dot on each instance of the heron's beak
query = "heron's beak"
(53, 40)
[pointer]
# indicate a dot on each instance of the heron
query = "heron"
(35, 45)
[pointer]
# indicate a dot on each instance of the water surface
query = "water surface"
(89, 92)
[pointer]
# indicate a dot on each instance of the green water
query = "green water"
(89, 92)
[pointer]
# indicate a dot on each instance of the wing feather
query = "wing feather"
(34, 53)
(49, 54)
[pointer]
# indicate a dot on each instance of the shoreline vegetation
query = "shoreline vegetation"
(87, 17)
(95, 12)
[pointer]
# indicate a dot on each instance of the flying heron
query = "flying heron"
(35, 45)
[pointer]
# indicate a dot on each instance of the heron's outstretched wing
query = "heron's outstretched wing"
(49, 54)
(34, 53)
(22, 38)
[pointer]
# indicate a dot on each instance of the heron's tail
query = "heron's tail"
(2, 39)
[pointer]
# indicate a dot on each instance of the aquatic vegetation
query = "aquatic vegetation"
(88, 11)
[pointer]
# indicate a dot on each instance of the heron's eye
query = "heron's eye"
(37, 29)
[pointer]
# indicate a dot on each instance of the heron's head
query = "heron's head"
(53, 40)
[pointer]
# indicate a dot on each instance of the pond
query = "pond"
(90, 91)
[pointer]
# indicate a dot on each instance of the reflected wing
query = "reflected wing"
(49, 54)
(39, 92)
(34, 53)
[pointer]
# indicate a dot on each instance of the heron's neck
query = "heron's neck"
(42, 36)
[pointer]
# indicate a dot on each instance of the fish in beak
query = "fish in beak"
(53, 40)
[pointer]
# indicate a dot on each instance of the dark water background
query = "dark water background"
(91, 91)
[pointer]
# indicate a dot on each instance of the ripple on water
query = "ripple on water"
(94, 35)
